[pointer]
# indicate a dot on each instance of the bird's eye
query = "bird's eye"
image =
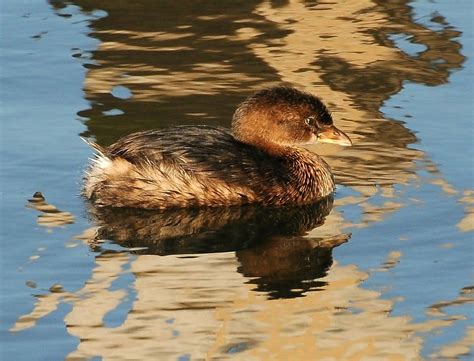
(309, 120)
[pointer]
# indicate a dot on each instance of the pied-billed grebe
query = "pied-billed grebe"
(258, 162)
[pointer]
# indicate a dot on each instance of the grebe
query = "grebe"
(259, 161)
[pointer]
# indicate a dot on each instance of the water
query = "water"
(387, 274)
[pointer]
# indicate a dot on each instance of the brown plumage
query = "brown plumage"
(258, 162)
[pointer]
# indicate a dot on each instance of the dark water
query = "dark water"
(384, 271)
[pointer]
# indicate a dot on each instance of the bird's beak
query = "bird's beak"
(334, 136)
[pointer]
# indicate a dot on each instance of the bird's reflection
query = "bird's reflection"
(271, 244)
(287, 267)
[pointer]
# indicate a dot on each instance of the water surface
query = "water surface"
(383, 271)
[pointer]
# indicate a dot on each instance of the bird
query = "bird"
(260, 160)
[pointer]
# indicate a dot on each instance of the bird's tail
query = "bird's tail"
(99, 149)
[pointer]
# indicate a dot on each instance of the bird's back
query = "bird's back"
(182, 167)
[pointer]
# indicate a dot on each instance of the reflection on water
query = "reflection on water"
(206, 230)
(271, 244)
(49, 216)
(200, 301)
(252, 283)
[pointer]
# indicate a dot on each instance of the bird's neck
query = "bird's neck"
(310, 174)
(261, 142)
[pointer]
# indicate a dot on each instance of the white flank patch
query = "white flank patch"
(102, 162)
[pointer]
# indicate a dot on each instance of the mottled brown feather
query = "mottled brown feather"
(210, 166)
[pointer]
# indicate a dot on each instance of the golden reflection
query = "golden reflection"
(287, 300)
(467, 223)
(455, 350)
(49, 216)
(466, 296)
(460, 347)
